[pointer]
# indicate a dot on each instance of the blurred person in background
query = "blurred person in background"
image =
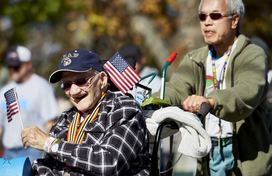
(37, 103)
(260, 42)
(229, 74)
(132, 51)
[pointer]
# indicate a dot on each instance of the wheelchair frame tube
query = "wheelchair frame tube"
(154, 170)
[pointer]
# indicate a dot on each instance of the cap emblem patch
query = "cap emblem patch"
(66, 58)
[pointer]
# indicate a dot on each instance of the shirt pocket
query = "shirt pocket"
(94, 133)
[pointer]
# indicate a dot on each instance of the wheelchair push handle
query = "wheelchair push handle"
(204, 110)
(172, 57)
(167, 63)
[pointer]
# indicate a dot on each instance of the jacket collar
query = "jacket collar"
(201, 54)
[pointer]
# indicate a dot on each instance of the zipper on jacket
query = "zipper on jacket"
(203, 73)
(203, 78)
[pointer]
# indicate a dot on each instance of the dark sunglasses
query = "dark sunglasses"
(213, 16)
(79, 82)
(16, 69)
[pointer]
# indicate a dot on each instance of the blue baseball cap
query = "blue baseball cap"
(79, 60)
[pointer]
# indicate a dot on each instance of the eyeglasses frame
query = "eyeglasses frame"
(208, 14)
(90, 78)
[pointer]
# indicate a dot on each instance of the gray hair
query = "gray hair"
(233, 7)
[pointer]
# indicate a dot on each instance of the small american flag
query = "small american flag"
(12, 104)
(121, 73)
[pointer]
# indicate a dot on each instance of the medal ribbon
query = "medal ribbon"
(76, 135)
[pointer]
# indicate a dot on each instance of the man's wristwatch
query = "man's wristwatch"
(55, 146)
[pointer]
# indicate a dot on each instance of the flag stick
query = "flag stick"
(18, 107)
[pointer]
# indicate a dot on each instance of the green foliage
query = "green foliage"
(26, 12)
(103, 26)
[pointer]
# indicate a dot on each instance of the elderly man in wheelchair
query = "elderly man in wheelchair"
(104, 133)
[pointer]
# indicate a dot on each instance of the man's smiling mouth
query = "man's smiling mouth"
(79, 98)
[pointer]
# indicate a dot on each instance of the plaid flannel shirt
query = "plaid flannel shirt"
(115, 143)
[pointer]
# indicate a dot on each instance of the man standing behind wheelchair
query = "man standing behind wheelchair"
(104, 133)
(229, 74)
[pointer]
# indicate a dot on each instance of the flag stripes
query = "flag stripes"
(12, 104)
(121, 73)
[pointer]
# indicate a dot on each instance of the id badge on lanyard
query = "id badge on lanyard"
(217, 87)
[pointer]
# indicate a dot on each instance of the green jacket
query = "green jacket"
(243, 103)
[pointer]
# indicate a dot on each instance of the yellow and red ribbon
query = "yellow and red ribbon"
(76, 134)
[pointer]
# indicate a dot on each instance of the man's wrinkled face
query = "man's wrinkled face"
(83, 96)
(215, 31)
